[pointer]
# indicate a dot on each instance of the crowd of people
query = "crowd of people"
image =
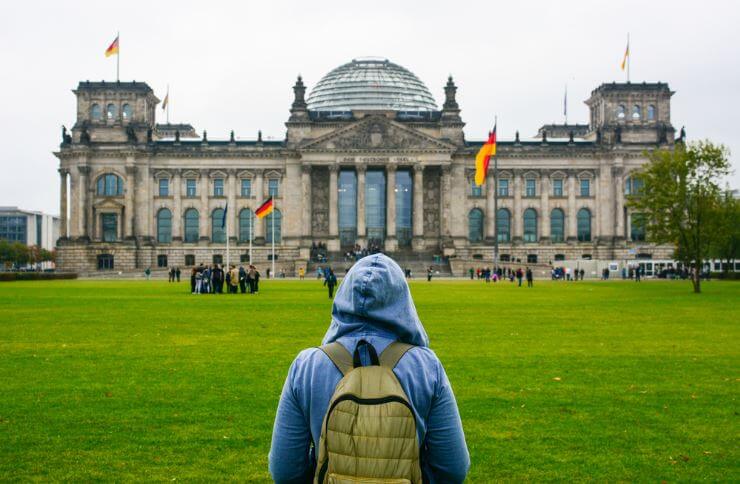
(214, 279)
(503, 273)
(567, 274)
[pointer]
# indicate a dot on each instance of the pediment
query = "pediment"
(273, 174)
(376, 133)
(245, 174)
(108, 204)
(217, 174)
(162, 174)
(191, 174)
(558, 174)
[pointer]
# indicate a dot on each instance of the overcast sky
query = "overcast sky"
(231, 65)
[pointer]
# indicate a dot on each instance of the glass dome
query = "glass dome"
(370, 83)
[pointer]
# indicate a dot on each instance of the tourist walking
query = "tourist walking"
(519, 275)
(374, 318)
(429, 274)
(530, 277)
(301, 272)
(330, 282)
(234, 279)
(177, 273)
(256, 281)
(242, 280)
(148, 272)
(193, 273)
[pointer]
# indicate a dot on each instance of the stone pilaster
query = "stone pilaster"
(490, 208)
(619, 204)
(572, 225)
(203, 224)
(63, 233)
(143, 200)
(129, 209)
(232, 212)
(418, 211)
(516, 217)
(361, 232)
(306, 201)
(543, 224)
(84, 216)
(444, 201)
(177, 234)
(391, 244)
(259, 188)
(333, 243)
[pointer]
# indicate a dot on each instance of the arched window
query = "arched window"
(530, 225)
(621, 111)
(637, 227)
(651, 113)
(218, 228)
(503, 225)
(110, 185)
(475, 225)
(636, 112)
(584, 225)
(111, 111)
(277, 218)
(191, 225)
(95, 112)
(557, 225)
(126, 112)
(164, 226)
(246, 225)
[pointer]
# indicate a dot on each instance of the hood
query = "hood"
(375, 297)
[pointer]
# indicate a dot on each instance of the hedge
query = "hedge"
(730, 276)
(35, 276)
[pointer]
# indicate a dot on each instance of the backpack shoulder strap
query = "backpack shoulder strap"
(393, 354)
(338, 355)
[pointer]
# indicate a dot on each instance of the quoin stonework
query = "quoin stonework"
(368, 158)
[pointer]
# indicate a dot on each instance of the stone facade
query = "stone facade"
(124, 179)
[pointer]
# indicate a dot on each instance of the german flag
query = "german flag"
(483, 157)
(112, 49)
(264, 209)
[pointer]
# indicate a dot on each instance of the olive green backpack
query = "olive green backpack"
(369, 432)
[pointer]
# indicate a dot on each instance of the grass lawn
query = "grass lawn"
(124, 380)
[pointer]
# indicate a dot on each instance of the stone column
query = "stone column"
(490, 208)
(596, 212)
(63, 234)
(516, 217)
(390, 208)
(333, 202)
(84, 216)
(74, 203)
(544, 218)
(231, 211)
(204, 212)
(259, 187)
(418, 215)
(177, 204)
(572, 226)
(619, 205)
(361, 232)
(444, 202)
(129, 203)
(306, 204)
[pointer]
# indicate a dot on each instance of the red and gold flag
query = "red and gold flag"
(626, 55)
(484, 157)
(112, 49)
(264, 209)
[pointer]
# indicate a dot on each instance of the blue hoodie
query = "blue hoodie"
(373, 303)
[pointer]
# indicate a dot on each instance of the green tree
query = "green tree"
(6, 257)
(20, 253)
(726, 246)
(679, 200)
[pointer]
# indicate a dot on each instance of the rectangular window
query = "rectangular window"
(13, 229)
(246, 188)
(475, 190)
(39, 227)
(189, 259)
(531, 190)
(272, 187)
(218, 187)
(585, 187)
(557, 188)
(531, 258)
(503, 188)
(109, 221)
(164, 187)
(190, 187)
(162, 260)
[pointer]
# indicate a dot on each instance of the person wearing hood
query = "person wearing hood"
(372, 305)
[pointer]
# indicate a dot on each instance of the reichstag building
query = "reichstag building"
(368, 159)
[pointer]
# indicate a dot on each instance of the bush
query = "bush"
(36, 276)
(730, 276)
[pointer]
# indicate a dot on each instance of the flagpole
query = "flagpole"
(251, 222)
(565, 104)
(118, 57)
(168, 104)
(629, 57)
(495, 200)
